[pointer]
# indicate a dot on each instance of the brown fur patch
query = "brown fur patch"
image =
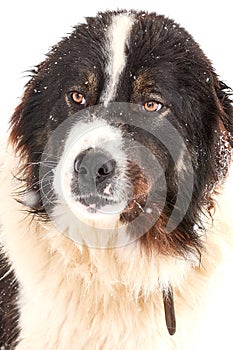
(140, 191)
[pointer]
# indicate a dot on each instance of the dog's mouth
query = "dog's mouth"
(95, 202)
(98, 203)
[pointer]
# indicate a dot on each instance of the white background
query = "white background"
(29, 28)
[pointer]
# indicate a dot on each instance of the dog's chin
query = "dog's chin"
(92, 225)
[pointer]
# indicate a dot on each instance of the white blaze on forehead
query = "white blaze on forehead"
(117, 38)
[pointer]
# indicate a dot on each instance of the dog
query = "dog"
(115, 194)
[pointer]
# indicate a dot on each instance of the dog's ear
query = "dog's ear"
(30, 121)
(225, 105)
(27, 115)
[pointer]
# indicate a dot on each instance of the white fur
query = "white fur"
(117, 38)
(111, 299)
(68, 213)
(95, 134)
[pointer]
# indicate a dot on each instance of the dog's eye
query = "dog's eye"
(152, 106)
(78, 98)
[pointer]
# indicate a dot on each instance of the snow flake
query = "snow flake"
(107, 189)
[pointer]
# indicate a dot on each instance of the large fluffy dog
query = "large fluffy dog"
(115, 224)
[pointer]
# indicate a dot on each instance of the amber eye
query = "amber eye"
(78, 98)
(152, 106)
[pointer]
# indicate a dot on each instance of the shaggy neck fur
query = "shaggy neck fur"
(74, 296)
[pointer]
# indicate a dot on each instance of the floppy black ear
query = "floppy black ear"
(26, 119)
(225, 102)
(29, 125)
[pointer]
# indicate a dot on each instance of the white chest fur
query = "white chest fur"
(111, 299)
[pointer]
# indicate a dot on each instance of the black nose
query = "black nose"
(94, 165)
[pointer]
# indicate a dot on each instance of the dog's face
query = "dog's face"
(125, 128)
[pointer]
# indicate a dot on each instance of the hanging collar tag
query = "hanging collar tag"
(169, 310)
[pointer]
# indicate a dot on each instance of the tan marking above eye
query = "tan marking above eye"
(78, 98)
(152, 106)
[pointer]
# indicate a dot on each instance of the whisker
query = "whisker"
(138, 204)
(48, 155)
(45, 181)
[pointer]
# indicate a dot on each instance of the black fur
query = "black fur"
(170, 62)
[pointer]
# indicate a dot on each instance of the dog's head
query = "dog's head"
(126, 130)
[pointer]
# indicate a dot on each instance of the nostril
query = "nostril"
(79, 169)
(79, 166)
(107, 169)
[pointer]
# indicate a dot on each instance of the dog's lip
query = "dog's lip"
(95, 201)
(96, 209)
(98, 204)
